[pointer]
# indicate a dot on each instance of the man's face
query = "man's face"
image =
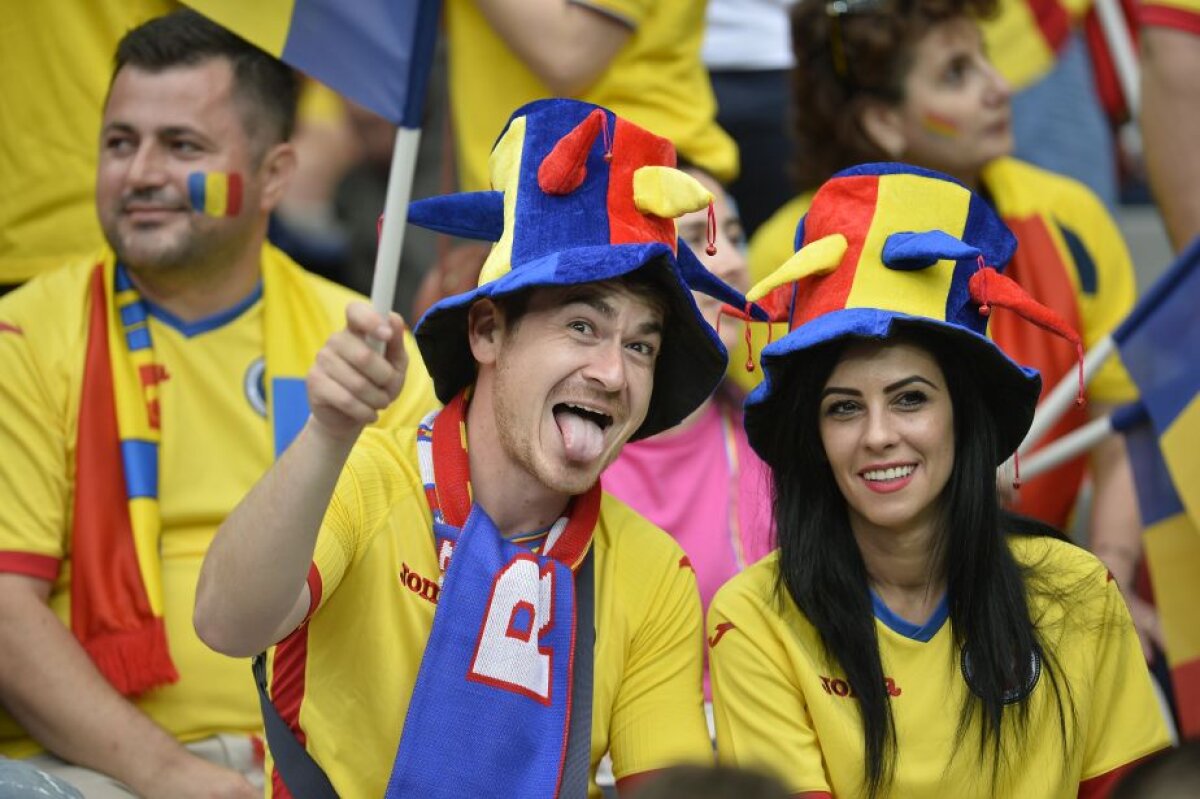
(158, 128)
(573, 381)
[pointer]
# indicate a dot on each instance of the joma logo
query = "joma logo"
(835, 686)
(421, 586)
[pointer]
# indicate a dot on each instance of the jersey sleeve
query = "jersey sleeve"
(365, 493)
(761, 716)
(1125, 721)
(1107, 285)
(630, 13)
(34, 484)
(658, 714)
(1181, 15)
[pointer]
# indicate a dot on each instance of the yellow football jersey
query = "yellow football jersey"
(780, 705)
(216, 442)
(376, 579)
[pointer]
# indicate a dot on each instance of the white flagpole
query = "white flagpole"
(1112, 21)
(1064, 449)
(395, 216)
(1060, 399)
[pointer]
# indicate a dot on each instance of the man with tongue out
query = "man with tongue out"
(458, 610)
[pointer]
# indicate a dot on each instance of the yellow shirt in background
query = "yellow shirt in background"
(656, 80)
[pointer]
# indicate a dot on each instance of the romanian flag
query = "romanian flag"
(939, 125)
(1158, 344)
(375, 52)
(215, 193)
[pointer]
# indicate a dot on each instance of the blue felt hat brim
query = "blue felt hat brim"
(691, 362)
(1010, 390)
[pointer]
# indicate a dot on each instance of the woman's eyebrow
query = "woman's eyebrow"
(906, 381)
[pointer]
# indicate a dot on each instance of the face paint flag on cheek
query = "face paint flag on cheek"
(215, 193)
(939, 125)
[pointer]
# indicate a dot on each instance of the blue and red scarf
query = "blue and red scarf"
(490, 711)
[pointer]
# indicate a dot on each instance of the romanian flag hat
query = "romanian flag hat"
(888, 246)
(581, 196)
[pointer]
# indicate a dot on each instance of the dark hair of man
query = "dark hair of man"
(266, 89)
(822, 570)
(848, 60)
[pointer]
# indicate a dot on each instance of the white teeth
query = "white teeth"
(893, 473)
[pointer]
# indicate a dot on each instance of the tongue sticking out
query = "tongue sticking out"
(582, 438)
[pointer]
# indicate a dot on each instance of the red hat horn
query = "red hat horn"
(988, 287)
(564, 169)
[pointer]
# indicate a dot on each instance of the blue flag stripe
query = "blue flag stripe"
(376, 52)
(1159, 339)
(1156, 494)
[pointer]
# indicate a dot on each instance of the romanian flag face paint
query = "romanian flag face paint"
(215, 193)
(939, 125)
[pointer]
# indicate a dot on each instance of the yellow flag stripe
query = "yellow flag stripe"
(1173, 555)
(263, 22)
(216, 193)
(1178, 444)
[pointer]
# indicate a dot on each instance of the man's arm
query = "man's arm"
(1170, 120)
(567, 45)
(56, 694)
(253, 587)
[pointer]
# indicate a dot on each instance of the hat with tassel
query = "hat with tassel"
(582, 196)
(889, 246)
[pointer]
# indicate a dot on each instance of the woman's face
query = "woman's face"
(729, 263)
(887, 426)
(955, 116)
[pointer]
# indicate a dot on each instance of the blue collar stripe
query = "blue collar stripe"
(917, 632)
(219, 319)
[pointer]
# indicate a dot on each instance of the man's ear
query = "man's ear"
(278, 166)
(883, 125)
(485, 329)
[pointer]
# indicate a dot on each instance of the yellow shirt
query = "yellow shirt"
(780, 705)
(57, 59)
(656, 80)
(216, 443)
(377, 596)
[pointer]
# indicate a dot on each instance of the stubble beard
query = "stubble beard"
(140, 254)
(523, 453)
(185, 254)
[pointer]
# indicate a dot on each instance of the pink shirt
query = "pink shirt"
(684, 482)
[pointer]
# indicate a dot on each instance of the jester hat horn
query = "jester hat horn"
(889, 246)
(581, 196)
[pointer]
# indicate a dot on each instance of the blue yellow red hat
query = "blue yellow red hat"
(885, 246)
(581, 196)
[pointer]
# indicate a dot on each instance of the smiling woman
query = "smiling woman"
(887, 428)
(911, 81)
(910, 637)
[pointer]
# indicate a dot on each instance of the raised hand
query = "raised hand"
(351, 382)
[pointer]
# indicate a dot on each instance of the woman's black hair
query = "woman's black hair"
(821, 568)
